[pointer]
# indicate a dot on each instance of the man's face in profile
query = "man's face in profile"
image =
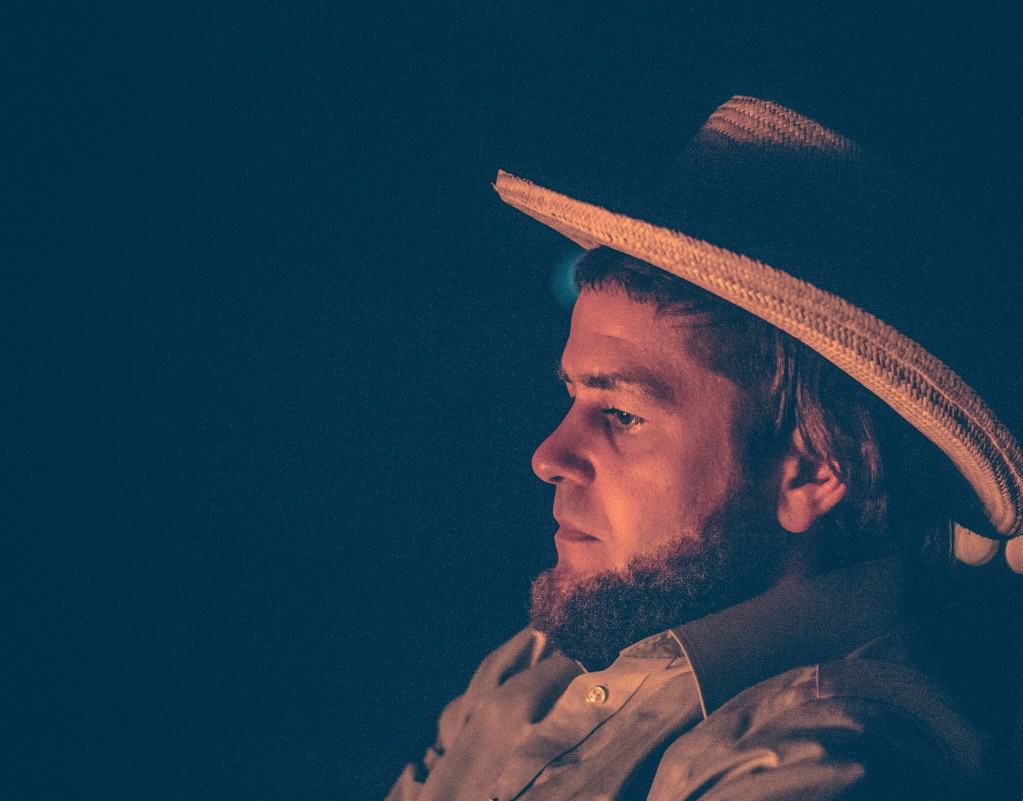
(647, 451)
(658, 523)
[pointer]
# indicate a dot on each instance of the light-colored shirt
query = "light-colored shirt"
(805, 692)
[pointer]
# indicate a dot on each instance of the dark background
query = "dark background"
(279, 356)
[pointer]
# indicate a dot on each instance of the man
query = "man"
(737, 515)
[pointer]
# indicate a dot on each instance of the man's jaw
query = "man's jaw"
(592, 610)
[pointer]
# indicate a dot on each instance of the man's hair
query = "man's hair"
(882, 461)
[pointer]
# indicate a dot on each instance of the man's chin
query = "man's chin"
(566, 577)
(591, 617)
(553, 589)
(548, 595)
(581, 613)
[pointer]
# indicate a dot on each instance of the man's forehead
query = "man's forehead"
(616, 342)
(611, 332)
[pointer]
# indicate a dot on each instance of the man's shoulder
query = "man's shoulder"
(867, 725)
(871, 694)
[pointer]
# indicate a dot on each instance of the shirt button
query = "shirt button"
(597, 694)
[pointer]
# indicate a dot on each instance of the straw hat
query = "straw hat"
(799, 226)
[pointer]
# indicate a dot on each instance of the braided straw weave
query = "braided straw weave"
(918, 386)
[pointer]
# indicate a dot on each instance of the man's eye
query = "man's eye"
(622, 419)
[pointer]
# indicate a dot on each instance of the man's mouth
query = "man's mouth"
(567, 534)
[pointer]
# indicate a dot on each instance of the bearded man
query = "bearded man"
(750, 469)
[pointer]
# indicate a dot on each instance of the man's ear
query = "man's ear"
(810, 488)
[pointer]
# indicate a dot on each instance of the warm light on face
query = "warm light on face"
(646, 451)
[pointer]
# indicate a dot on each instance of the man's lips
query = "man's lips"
(568, 534)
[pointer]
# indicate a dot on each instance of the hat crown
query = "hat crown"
(771, 184)
(752, 121)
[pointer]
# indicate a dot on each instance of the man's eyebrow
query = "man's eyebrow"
(646, 383)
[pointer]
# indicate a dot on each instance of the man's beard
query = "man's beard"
(734, 555)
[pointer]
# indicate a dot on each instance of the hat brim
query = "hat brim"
(928, 394)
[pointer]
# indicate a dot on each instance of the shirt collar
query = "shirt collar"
(796, 623)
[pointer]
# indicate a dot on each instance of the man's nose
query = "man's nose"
(562, 456)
